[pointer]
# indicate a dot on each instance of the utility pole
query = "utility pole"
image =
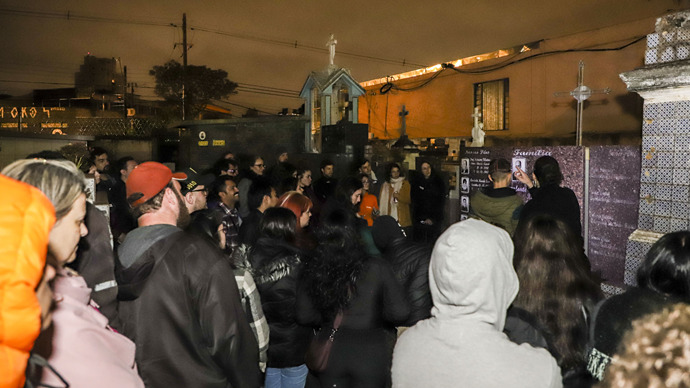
(185, 48)
(184, 59)
(124, 90)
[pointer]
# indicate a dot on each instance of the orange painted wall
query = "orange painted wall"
(444, 107)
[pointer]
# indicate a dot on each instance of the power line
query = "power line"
(243, 106)
(509, 62)
(268, 92)
(295, 44)
(268, 87)
(69, 15)
(36, 82)
(257, 89)
(546, 53)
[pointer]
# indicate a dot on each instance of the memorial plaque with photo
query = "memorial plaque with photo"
(570, 159)
(614, 185)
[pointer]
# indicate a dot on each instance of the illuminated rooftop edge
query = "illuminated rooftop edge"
(456, 63)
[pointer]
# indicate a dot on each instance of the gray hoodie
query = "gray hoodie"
(472, 283)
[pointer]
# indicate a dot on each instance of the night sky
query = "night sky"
(254, 41)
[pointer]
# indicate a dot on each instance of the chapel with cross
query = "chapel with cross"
(331, 96)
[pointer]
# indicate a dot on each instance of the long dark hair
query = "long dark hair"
(555, 284)
(331, 275)
(278, 223)
(666, 268)
(547, 171)
(390, 168)
(344, 191)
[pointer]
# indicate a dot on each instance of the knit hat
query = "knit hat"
(147, 180)
(385, 230)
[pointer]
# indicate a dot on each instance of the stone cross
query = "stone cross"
(477, 130)
(331, 48)
(402, 115)
(476, 115)
(581, 93)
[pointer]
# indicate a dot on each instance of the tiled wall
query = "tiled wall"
(665, 176)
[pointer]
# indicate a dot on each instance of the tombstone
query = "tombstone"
(664, 84)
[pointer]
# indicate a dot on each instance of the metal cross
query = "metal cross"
(402, 114)
(581, 93)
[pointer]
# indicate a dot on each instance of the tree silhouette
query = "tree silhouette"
(201, 86)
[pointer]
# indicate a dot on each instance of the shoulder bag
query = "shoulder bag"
(320, 347)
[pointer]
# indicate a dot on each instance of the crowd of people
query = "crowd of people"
(224, 277)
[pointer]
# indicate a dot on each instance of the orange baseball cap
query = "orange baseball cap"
(147, 180)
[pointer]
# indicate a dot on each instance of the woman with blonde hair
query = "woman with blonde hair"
(655, 353)
(82, 348)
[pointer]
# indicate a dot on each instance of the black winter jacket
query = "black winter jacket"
(428, 198)
(180, 305)
(410, 264)
(276, 268)
(558, 202)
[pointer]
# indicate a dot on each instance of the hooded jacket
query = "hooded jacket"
(472, 283)
(81, 346)
(181, 307)
(26, 218)
(500, 207)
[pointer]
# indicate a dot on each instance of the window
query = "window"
(343, 102)
(315, 110)
(492, 99)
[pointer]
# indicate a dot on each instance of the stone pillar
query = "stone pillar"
(664, 83)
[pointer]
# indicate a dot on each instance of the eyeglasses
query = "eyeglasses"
(204, 190)
(260, 165)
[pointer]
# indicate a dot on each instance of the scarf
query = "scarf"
(387, 206)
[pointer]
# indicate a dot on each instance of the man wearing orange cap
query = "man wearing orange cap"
(176, 301)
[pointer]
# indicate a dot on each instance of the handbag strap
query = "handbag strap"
(336, 324)
(338, 320)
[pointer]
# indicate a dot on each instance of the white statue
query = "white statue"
(478, 130)
(331, 48)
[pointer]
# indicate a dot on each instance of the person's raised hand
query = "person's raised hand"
(523, 177)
